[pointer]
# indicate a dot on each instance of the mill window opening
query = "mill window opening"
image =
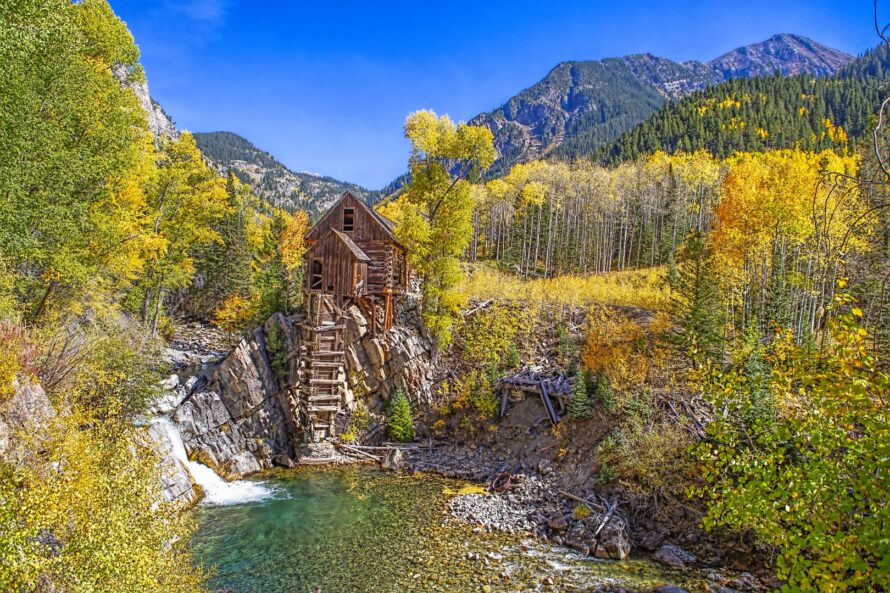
(315, 279)
(348, 220)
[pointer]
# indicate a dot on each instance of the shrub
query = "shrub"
(18, 355)
(617, 346)
(651, 462)
(277, 350)
(85, 516)
(237, 312)
(581, 512)
(640, 288)
(814, 482)
(358, 422)
(401, 423)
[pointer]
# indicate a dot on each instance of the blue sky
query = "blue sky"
(325, 87)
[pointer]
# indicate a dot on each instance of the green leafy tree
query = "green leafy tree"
(435, 221)
(76, 150)
(400, 426)
(187, 199)
(812, 479)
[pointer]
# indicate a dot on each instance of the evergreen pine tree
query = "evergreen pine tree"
(400, 421)
(579, 407)
(605, 395)
(697, 304)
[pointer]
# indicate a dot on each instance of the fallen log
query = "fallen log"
(358, 452)
(478, 307)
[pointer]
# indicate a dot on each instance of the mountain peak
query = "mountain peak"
(581, 104)
(786, 53)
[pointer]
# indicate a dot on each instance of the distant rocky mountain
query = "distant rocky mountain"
(270, 179)
(580, 106)
(785, 53)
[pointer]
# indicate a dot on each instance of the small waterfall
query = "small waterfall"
(216, 490)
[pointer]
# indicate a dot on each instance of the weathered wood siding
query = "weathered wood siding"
(365, 227)
(342, 273)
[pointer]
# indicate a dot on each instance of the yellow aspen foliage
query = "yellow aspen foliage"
(85, 517)
(775, 197)
(291, 240)
(237, 312)
(618, 346)
(640, 288)
(436, 220)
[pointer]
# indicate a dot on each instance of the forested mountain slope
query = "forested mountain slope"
(580, 106)
(270, 179)
(764, 112)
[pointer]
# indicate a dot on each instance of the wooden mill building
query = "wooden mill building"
(352, 257)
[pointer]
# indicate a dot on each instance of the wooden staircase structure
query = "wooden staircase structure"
(324, 367)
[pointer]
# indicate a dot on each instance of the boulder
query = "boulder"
(613, 542)
(244, 379)
(669, 589)
(675, 556)
(393, 459)
(746, 582)
(374, 350)
(557, 522)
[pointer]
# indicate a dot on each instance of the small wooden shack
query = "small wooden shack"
(354, 257)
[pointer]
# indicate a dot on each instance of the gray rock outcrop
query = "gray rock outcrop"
(675, 556)
(237, 423)
(23, 419)
(242, 417)
(176, 483)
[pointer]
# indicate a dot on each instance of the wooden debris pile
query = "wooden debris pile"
(554, 389)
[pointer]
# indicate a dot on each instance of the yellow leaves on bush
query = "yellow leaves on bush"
(638, 288)
(652, 462)
(237, 312)
(85, 516)
(18, 355)
(618, 347)
(485, 337)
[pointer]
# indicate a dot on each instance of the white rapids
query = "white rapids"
(216, 490)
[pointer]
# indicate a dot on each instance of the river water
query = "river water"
(360, 530)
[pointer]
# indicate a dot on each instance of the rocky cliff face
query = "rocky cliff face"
(379, 366)
(236, 422)
(784, 53)
(159, 123)
(243, 416)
